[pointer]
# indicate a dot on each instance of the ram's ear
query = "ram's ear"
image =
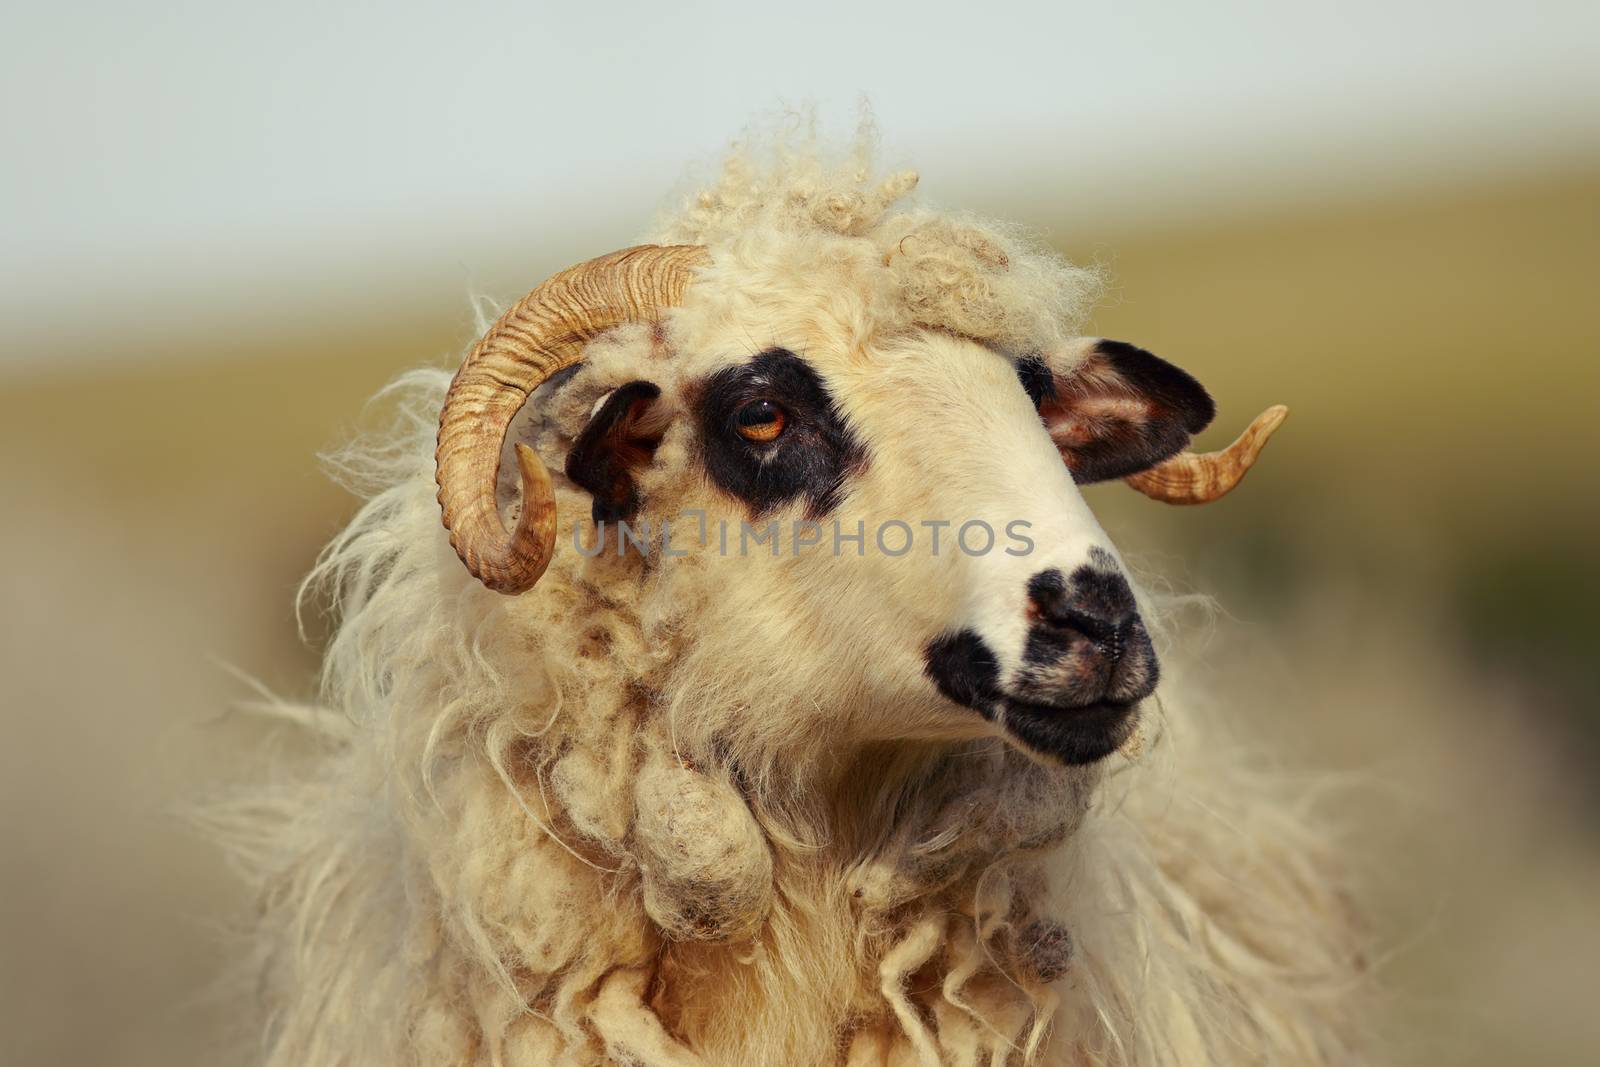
(619, 440)
(1118, 410)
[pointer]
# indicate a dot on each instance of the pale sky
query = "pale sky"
(167, 162)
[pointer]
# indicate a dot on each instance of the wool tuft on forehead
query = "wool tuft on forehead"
(943, 270)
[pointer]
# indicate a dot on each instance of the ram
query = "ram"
(804, 715)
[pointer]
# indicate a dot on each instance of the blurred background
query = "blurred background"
(225, 226)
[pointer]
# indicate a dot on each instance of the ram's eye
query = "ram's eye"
(759, 420)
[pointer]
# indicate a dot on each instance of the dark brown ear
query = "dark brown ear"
(619, 440)
(1119, 411)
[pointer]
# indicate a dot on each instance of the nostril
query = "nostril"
(1047, 589)
(1086, 644)
(1097, 604)
(1104, 633)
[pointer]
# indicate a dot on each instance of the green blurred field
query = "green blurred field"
(1410, 575)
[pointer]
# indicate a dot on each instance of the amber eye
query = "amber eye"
(759, 420)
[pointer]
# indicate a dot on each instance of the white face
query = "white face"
(1036, 629)
(937, 572)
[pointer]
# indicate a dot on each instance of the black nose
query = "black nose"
(1087, 628)
(1097, 604)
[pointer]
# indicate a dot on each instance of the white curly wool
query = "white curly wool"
(704, 863)
(974, 277)
(614, 820)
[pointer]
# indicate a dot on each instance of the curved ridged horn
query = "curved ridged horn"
(1201, 477)
(543, 333)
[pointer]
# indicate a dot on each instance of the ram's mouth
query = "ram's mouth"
(1075, 735)
(963, 668)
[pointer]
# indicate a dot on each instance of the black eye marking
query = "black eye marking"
(810, 456)
(606, 454)
(1036, 379)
